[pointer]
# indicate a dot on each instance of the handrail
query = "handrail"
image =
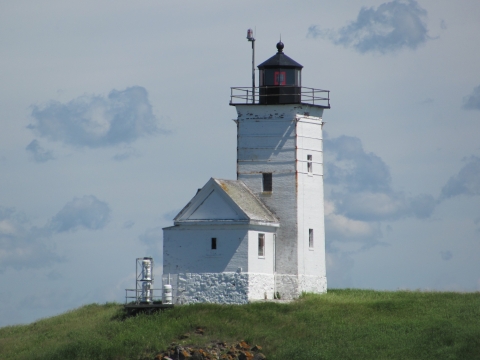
(307, 95)
(137, 296)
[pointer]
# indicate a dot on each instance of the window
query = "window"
(309, 164)
(261, 245)
(279, 78)
(310, 238)
(214, 243)
(267, 182)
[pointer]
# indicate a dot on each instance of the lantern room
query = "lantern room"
(280, 79)
(280, 82)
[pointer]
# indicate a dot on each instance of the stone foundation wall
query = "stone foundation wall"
(291, 286)
(312, 284)
(220, 288)
(240, 288)
(260, 286)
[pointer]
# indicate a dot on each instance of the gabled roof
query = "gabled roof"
(225, 201)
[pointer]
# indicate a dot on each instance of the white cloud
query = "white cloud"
(392, 26)
(346, 228)
(347, 235)
(95, 121)
(87, 212)
(39, 154)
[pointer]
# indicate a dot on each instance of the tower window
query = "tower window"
(261, 245)
(214, 243)
(310, 238)
(309, 164)
(267, 182)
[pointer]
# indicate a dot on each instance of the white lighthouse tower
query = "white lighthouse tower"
(263, 234)
(280, 158)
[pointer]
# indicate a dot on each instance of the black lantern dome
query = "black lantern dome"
(280, 79)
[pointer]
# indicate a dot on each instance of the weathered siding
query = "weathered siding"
(277, 156)
(277, 139)
(187, 249)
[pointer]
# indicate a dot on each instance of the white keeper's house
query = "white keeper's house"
(263, 234)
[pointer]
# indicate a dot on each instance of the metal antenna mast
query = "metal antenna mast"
(252, 40)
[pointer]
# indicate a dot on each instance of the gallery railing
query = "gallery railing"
(267, 95)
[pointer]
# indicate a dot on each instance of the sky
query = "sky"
(113, 114)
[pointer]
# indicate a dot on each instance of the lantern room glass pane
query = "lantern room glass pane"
(279, 77)
(298, 77)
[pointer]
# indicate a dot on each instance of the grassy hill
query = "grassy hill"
(343, 324)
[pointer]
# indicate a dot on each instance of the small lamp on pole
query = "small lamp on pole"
(252, 40)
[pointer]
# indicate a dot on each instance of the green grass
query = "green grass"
(343, 324)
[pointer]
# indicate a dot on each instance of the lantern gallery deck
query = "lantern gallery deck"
(280, 95)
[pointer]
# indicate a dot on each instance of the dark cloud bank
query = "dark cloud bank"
(392, 26)
(95, 121)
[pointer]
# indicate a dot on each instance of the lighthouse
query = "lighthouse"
(261, 236)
